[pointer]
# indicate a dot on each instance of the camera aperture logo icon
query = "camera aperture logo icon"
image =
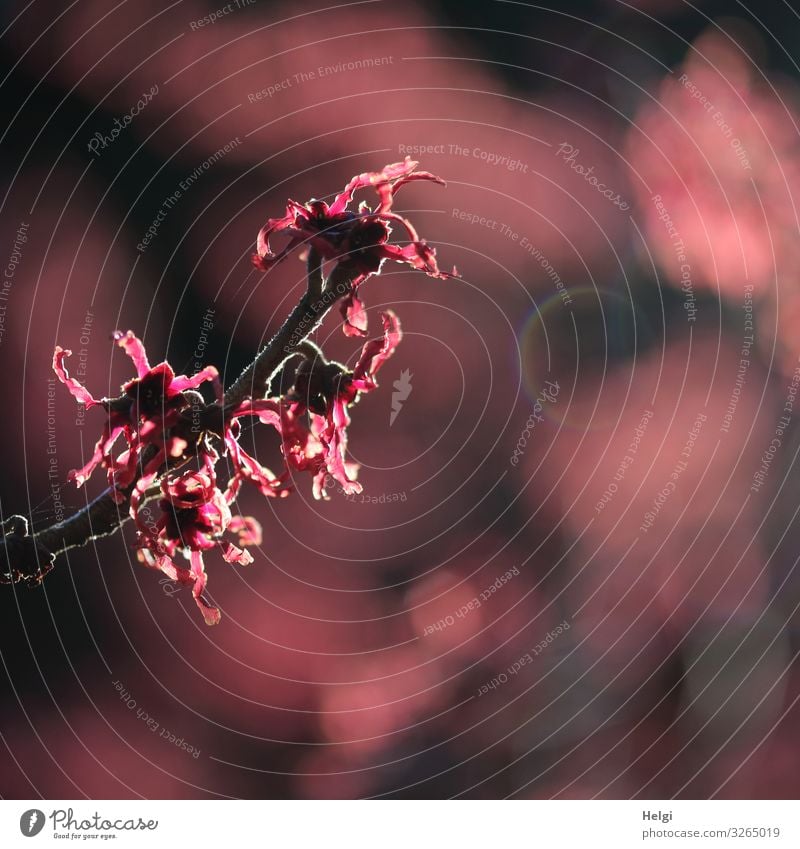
(31, 822)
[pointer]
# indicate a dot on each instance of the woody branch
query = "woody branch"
(28, 557)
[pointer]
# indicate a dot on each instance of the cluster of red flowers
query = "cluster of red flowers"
(357, 241)
(152, 414)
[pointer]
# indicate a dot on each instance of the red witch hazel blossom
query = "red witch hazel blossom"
(358, 241)
(145, 413)
(194, 512)
(165, 453)
(194, 515)
(324, 390)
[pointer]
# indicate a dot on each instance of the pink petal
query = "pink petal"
(248, 529)
(302, 449)
(413, 236)
(264, 256)
(355, 316)
(319, 485)
(134, 349)
(137, 495)
(124, 470)
(176, 573)
(267, 409)
(80, 476)
(191, 489)
(182, 383)
(340, 417)
(249, 468)
(232, 554)
(232, 489)
(375, 352)
(101, 451)
(334, 439)
(338, 469)
(419, 255)
(210, 614)
(155, 464)
(371, 178)
(77, 390)
(387, 193)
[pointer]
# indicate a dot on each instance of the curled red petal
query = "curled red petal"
(210, 613)
(302, 449)
(76, 389)
(387, 191)
(155, 464)
(354, 314)
(170, 569)
(264, 257)
(273, 225)
(371, 178)
(259, 262)
(419, 255)
(247, 528)
(219, 390)
(318, 488)
(124, 470)
(267, 409)
(334, 439)
(248, 468)
(411, 231)
(80, 476)
(375, 352)
(338, 469)
(191, 489)
(182, 382)
(142, 485)
(233, 554)
(134, 348)
(101, 452)
(232, 489)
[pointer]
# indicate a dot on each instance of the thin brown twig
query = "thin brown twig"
(29, 557)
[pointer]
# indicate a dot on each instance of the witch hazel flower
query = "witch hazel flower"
(325, 390)
(358, 241)
(194, 512)
(149, 406)
(152, 448)
(313, 417)
(245, 466)
(194, 516)
(301, 446)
